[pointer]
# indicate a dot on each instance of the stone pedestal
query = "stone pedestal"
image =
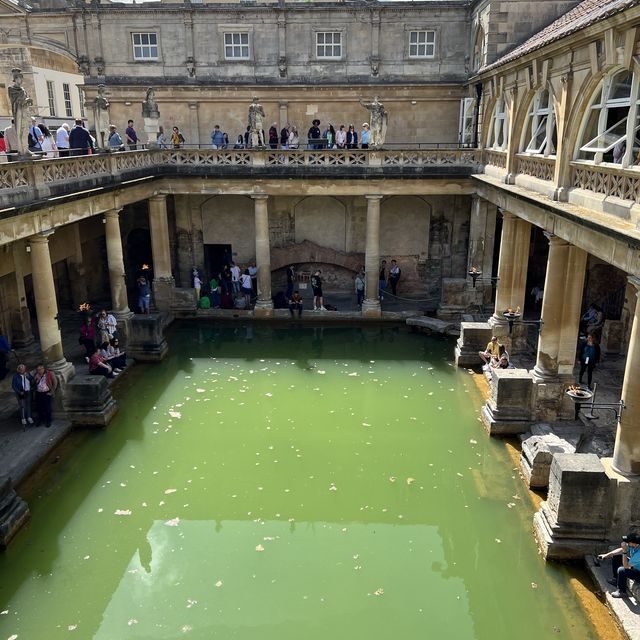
(537, 455)
(572, 521)
(163, 289)
(146, 342)
(88, 401)
(551, 402)
(14, 512)
(371, 308)
(474, 337)
(151, 128)
(508, 408)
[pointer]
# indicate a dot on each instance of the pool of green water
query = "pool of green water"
(282, 483)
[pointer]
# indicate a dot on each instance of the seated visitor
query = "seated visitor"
(115, 360)
(492, 350)
(98, 366)
(295, 303)
(502, 362)
(625, 563)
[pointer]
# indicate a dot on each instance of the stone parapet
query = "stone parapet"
(474, 337)
(14, 512)
(508, 408)
(88, 401)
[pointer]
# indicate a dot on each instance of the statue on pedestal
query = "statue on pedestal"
(378, 118)
(256, 127)
(20, 103)
(151, 115)
(101, 118)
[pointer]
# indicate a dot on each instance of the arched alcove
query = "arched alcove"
(404, 226)
(322, 221)
(230, 220)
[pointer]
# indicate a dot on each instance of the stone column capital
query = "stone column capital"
(41, 237)
(158, 197)
(507, 215)
(374, 196)
(554, 240)
(112, 213)
(260, 196)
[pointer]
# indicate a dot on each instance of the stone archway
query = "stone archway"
(321, 220)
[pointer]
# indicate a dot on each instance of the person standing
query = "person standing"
(108, 326)
(35, 137)
(273, 136)
(80, 140)
(382, 279)
(217, 138)
(284, 137)
(235, 278)
(114, 141)
(144, 294)
(360, 285)
(364, 136)
(5, 350)
(291, 274)
(589, 358)
(88, 337)
(246, 288)
(197, 285)
(316, 286)
(11, 141)
(352, 138)
(160, 138)
(22, 385)
(45, 384)
(62, 140)
(48, 144)
(294, 139)
(341, 137)
(314, 135)
(394, 276)
(131, 136)
(253, 272)
(177, 139)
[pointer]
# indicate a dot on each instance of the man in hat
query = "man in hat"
(625, 563)
(314, 134)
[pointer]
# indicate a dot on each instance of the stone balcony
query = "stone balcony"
(37, 183)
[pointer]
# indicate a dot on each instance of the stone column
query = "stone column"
(163, 283)
(482, 233)
(561, 303)
(75, 266)
(115, 260)
(21, 332)
(626, 454)
(371, 303)
(264, 304)
(46, 303)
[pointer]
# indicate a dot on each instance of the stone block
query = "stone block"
(550, 400)
(537, 455)
(88, 401)
(428, 324)
(612, 336)
(573, 520)
(474, 337)
(163, 292)
(508, 408)
(147, 342)
(14, 512)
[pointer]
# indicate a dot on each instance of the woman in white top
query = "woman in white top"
(294, 140)
(245, 280)
(341, 137)
(48, 144)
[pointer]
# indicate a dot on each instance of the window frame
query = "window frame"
(539, 119)
(142, 46)
(51, 98)
(68, 102)
(233, 45)
(418, 56)
(467, 117)
(499, 123)
(324, 32)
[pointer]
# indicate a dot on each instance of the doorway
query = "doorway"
(215, 257)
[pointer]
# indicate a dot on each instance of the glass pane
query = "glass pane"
(431, 36)
(621, 86)
(607, 140)
(539, 137)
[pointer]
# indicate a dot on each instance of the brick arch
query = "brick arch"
(309, 252)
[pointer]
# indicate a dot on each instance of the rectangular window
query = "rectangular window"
(145, 46)
(467, 121)
(329, 44)
(422, 44)
(81, 98)
(51, 96)
(66, 92)
(236, 46)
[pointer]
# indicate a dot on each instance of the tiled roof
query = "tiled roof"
(584, 15)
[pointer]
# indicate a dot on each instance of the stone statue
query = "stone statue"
(256, 128)
(20, 103)
(150, 106)
(378, 118)
(101, 117)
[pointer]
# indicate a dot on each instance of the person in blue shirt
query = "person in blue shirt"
(364, 136)
(589, 358)
(217, 138)
(144, 294)
(629, 553)
(22, 384)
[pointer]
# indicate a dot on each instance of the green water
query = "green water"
(287, 483)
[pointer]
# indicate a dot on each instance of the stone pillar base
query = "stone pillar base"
(163, 293)
(550, 401)
(474, 337)
(64, 372)
(123, 318)
(22, 336)
(572, 521)
(371, 308)
(147, 342)
(263, 309)
(14, 512)
(508, 408)
(88, 401)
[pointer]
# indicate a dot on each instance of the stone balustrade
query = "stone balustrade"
(536, 166)
(495, 158)
(608, 180)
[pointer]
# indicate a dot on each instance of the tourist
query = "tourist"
(253, 272)
(227, 287)
(502, 362)
(360, 284)
(115, 351)
(617, 556)
(394, 276)
(108, 326)
(492, 350)
(116, 360)
(247, 137)
(88, 337)
(62, 140)
(5, 350)
(214, 293)
(114, 140)
(364, 136)
(197, 285)
(316, 286)
(45, 384)
(382, 279)
(161, 139)
(239, 143)
(177, 139)
(131, 136)
(341, 137)
(80, 140)
(589, 358)
(314, 135)
(48, 144)
(99, 367)
(630, 569)
(3, 145)
(330, 136)
(22, 385)
(284, 137)
(35, 137)
(235, 278)
(588, 317)
(11, 141)
(594, 327)
(294, 139)
(273, 136)
(537, 293)
(247, 289)
(291, 276)
(144, 294)
(295, 303)
(352, 138)
(217, 138)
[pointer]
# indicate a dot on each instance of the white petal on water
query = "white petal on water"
(4, 613)
(200, 390)
(219, 584)
(13, 637)
(132, 622)
(259, 547)
(472, 441)
(366, 424)
(333, 487)
(168, 491)
(72, 627)
(175, 414)
(174, 522)
(122, 512)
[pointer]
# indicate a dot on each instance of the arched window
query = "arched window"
(610, 129)
(479, 49)
(539, 131)
(499, 126)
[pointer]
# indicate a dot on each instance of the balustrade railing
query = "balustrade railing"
(609, 181)
(495, 158)
(536, 166)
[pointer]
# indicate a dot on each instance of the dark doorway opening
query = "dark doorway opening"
(137, 254)
(215, 257)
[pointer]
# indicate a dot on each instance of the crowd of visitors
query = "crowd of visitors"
(231, 287)
(39, 388)
(99, 337)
